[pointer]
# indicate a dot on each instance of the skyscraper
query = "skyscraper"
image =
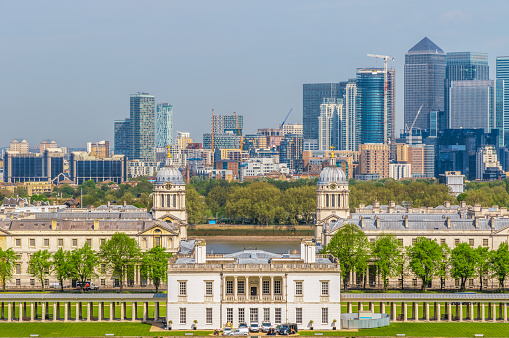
(164, 125)
(370, 105)
(227, 134)
(503, 93)
(142, 123)
(349, 138)
(122, 136)
(312, 97)
(328, 123)
(463, 66)
(424, 82)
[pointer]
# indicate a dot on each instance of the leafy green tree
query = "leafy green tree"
(216, 199)
(424, 259)
(21, 191)
(483, 264)
(82, 263)
(386, 252)
(500, 263)
(154, 265)
(481, 197)
(194, 206)
(120, 253)
(39, 265)
(264, 199)
(444, 264)
(61, 266)
(7, 264)
(463, 260)
(350, 246)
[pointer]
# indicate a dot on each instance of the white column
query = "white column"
(461, 312)
(78, 311)
(427, 311)
(112, 311)
(483, 315)
(393, 311)
(493, 312)
(43, 312)
(134, 308)
(100, 311)
(349, 307)
(449, 311)
(122, 311)
(260, 282)
(32, 314)
(415, 310)
(20, 311)
(505, 312)
(405, 311)
(472, 316)
(235, 287)
(437, 311)
(9, 311)
(382, 307)
(156, 311)
(55, 311)
(88, 312)
(145, 311)
(66, 311)
(272, 288)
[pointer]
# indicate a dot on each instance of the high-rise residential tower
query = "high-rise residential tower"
(349, 138)
(142, 123)
(122, 136)
(328, 123)
(312, 97)
(370, 105)
(424, 82)
(164, 125)
(503, 93)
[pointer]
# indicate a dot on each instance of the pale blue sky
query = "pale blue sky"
(67, 67)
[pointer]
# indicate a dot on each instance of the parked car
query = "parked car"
(242, 325)
(227, 331)
(266, 326)
(287, 329)
(254, 327)
(240, 332)
(87, 286)
(56, 285)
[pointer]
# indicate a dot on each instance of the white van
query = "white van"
(56, 285)
(243, 331)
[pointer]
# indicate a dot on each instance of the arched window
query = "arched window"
(157, 238)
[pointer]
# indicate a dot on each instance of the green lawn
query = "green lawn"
(426, 330)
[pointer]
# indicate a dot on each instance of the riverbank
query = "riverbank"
(255, 238)
(227, 231)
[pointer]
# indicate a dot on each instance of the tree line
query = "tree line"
(118, 256)
(425, 259)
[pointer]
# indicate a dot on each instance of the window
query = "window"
(266, 314)
(400, 241)
(18, 282)
(208, 315)
(414, 240)
(277, 315)
(18, 257)
(32, 242)
(60, 242)
(442, 240)
(298, 315)
(325, 289)
(471, 242)
(18, 269)
(266, 287)
(414, 282)
(103, 282)
(471, 282)
(89, 242)
(456, 282)
(18, 242)
(253, 315)
(456, 241)
(208, 289)
(277, 287)
(229, 287)
(32, 282)
(325, 315)
(46, 242)
(183, 289)
(46, 282)
(242, 317)
(74, 242)
(240, 287)
(298, 288)
(485, 242)
(157, 241)
(101, 241)
(229, 315)
(182, 315)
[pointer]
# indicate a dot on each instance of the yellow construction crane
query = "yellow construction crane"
(238, 130)
(386, 87)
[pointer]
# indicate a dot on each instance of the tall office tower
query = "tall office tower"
(122, 136)
(227, 134)
(370, 105)
(424, 82)
(142, 122)
(328, 123)
(290, 152)
(503, 93)
(164, 125)
(472, 105)
(312, 97)
(349, 120)
(463, 66)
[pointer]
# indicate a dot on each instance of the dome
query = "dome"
(169, 174)
(331, 174)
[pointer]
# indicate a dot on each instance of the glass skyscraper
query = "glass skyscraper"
(312, 97)
(142, 124)
(370, 105)
(164, 125)
(424, 82)
(121, 136)
(503, 93)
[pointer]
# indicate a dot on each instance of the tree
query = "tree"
(82, 263)
(443, 264)
(216, 199)
(483, 264)
(351, 247)
(194, 205)
(154, 265)
(7, 264)
(39, 265)
(463, 260)
(61, 266)
(424, 258)
(500, 263)
(386, 252)
(120, 253)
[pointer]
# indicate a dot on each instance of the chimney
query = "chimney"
(302, 250)
(96, 225)
(200, 253)
(405, 221)
(125, 204)
(362, 222)
(463, 204)
(476, 222)
(377, 222)
(53, 225)
(447, 204)
(392, 204)
(309, 252)
(448, 222)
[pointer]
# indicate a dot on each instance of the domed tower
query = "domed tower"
(332, 193)
(169, 196)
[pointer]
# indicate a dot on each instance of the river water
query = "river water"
(226, 247)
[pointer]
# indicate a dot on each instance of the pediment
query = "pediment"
(160, 228)
(168, 217)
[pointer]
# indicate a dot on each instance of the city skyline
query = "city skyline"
(249, 60)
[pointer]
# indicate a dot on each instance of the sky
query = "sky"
(67, 68)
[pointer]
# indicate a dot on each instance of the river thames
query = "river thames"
(228, 246)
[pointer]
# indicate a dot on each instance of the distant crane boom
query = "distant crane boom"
(238, 130)
(272, 143)
(386, 88)
(412, 127)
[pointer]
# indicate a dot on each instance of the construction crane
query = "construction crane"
(238, 130)
(212, 134)
(386, 87)
(412, 127)
(272, 143)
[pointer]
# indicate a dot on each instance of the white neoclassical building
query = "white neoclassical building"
(253, 286)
